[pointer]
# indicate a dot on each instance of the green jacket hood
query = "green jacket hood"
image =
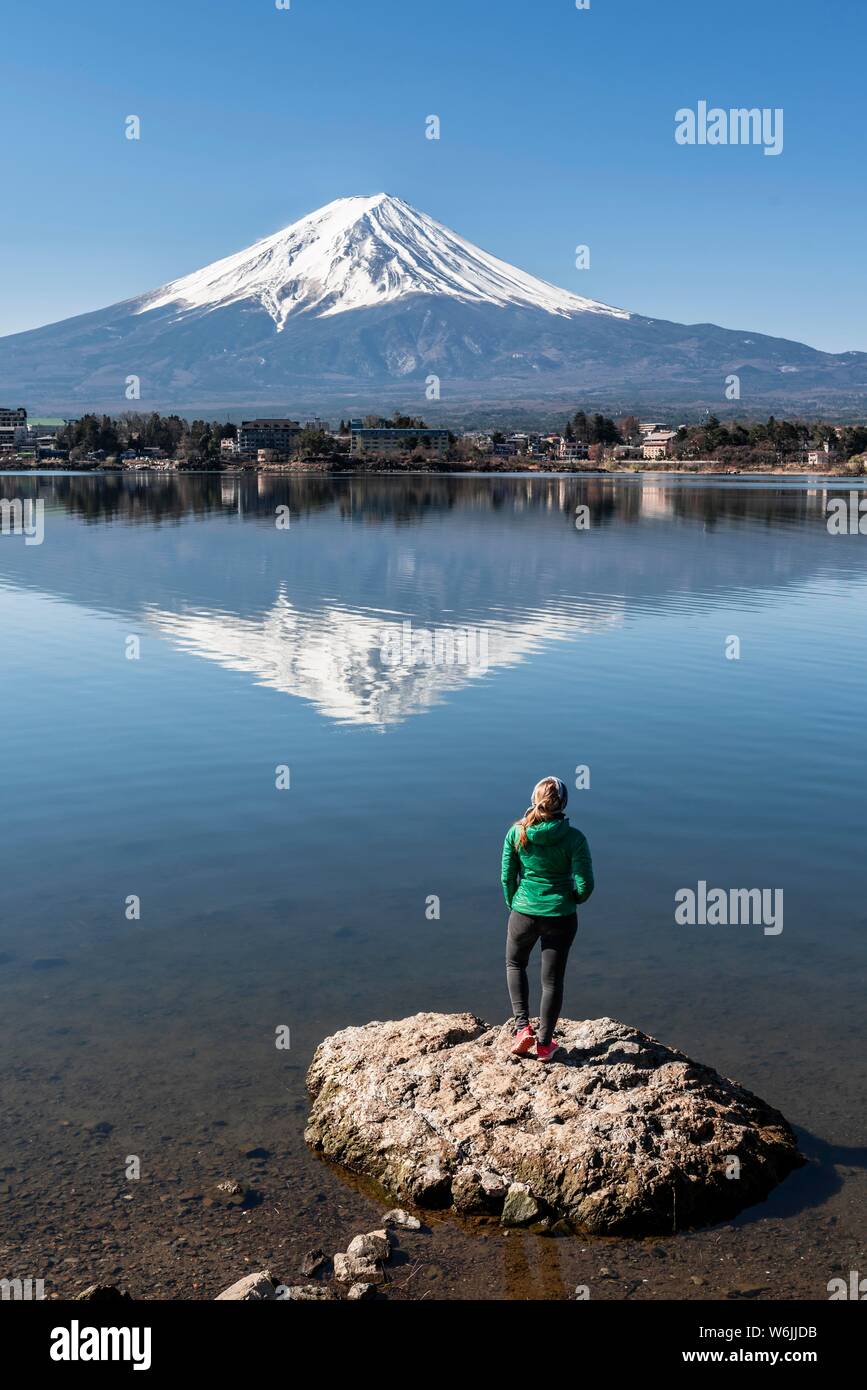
(549, 832)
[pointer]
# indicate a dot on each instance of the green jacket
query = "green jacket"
(552, 874)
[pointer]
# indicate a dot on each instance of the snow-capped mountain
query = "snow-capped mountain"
(360, 253)
(353, 308)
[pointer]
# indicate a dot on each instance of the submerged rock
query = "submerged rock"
(314, 1262)
(402, 1219)
(306, 1293)
(103, 1293)
(361, 1291)
(620, 1135)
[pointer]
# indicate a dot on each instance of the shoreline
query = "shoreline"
(328, 470)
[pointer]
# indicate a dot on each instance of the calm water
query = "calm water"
(306, 907)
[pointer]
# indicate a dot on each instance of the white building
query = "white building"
(13, 427)
(657, 444)
(822, 458)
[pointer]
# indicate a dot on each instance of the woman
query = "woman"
(547, 871)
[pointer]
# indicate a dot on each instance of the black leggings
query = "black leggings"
(557, 935)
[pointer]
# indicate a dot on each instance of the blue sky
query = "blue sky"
(557, 128)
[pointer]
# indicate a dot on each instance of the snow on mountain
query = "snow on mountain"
(359, 253)
(353, 308)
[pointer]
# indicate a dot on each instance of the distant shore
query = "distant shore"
(502, 467)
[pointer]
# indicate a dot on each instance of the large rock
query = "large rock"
(620, 1135)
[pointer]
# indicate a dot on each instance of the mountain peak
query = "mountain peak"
(357, 253)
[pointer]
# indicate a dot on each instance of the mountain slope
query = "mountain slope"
(355, 306)
(360, 253)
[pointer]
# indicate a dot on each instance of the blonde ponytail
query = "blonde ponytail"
(549, 798)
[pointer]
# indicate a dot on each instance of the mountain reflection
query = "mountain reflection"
(333, 658)
(308, 610)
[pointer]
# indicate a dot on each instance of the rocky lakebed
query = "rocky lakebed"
(438, 1165)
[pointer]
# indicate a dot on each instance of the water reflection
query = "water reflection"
(140, 498)
(333, 658)
(306, 611)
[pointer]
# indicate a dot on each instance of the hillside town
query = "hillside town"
(586, 442)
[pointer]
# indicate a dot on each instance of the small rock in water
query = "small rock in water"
(349, 1268)
(398, 1217)
(307, 1293)
(314, 1262)
(374, 1247)
(253, 1288)
(520, 1206)
(230, 1188)
(359, 1291)
(103, 1293)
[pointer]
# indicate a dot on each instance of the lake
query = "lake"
(228, 810)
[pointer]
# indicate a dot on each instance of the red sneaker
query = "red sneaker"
(546, 1054)
(523, 1041)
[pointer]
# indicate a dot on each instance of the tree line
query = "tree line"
(194, 442)
(710, 438)
(772, 439)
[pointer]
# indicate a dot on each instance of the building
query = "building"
(478, 439)
(40, 437)
(46, 427)
(822, 458)
(13, 427)
(652, 426)
(572, 449)
(398, 441)
(280, 436)
(657, 444)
